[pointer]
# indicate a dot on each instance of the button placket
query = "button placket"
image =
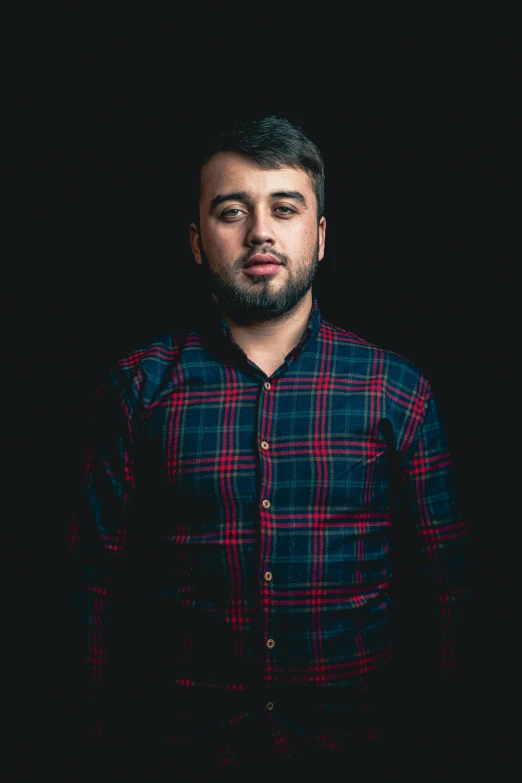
(267, 575)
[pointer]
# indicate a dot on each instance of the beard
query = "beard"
(257, 302)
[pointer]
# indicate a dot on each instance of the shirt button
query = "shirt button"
(270, 644)
(267, 387)
(266, 504)
(264, 445)
(270, 705)
(268, 576)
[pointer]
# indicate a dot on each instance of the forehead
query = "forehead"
(228, 172)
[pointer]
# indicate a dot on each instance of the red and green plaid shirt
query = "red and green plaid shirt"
(236, 537)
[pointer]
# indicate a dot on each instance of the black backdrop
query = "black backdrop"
(403, 126)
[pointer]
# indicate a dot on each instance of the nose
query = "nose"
(259, 230)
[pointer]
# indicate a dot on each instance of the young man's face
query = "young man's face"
(259, 241)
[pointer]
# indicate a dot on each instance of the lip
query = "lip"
(262, 269)
(262, 259)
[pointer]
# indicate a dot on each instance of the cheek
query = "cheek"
(304, 241)
(215, 245)
(221, 238)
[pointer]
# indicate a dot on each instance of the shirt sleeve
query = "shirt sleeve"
(98, 540)
(442, 533)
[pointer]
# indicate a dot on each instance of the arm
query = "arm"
(439, 625)
(440, 531)
(98, 540)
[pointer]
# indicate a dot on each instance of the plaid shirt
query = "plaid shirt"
(236, 538)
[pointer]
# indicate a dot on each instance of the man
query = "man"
(251, 486)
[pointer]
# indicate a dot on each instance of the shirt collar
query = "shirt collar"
(217, 335)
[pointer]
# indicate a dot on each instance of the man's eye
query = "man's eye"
(232, 212)
(285, 210)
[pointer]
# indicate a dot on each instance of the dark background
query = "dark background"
(405, 112)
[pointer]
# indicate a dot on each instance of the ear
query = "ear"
(195, 243)
(322, 237)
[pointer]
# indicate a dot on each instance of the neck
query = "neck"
(272, 340)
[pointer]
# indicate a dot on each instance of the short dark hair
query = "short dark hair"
(272, 142)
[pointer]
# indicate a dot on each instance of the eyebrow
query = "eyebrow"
(243, 195)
